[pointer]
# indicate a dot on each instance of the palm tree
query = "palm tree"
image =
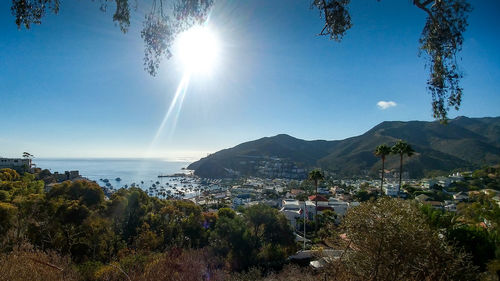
(402, 148)
(382, 151)
(316, 176)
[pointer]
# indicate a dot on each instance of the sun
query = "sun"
(198, 49)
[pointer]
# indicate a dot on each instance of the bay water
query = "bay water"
(142, 172)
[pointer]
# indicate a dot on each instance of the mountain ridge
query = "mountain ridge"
(463, 143)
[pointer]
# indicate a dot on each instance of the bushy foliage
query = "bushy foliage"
(474, 228)
(131, 231)
(147, 238)
(260, 236)
(390, 239)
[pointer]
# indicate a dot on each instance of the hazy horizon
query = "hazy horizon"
(185, 156)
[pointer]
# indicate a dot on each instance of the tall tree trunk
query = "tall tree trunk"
(400, 172)
(382, 178)
(316, 209)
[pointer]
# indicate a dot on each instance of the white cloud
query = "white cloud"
(386, 104)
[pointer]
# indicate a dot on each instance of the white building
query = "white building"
(292, 210)
(338, 206)
(238, 201)
(14, 163)
(456, 177)
(390, 189)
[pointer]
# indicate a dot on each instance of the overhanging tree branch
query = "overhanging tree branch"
(441, 39)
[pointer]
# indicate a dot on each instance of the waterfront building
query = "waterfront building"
(15, 163)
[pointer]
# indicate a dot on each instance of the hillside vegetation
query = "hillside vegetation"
(464, 143)
(73, 232)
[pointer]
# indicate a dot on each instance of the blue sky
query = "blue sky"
(75, 85)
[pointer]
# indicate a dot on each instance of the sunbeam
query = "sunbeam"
(176, 105)
(197, 49)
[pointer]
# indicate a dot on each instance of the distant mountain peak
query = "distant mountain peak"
(464, 143)
(283, 136)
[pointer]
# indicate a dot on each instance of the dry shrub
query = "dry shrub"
(389, 239)
(26, 263)
(253, 274)
(294, 273)
(174, 265)
(288, 273)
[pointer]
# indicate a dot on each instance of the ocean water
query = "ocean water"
(142, 172)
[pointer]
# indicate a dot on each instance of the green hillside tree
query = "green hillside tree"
(260, 237)
(382, 151)
(402, 148)
(316, 176)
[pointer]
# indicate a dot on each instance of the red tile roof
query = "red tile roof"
(320, 198)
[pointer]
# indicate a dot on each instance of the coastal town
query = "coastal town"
(310, 209)
(296, 199)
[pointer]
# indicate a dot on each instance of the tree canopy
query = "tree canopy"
(390, 239)
(71, 229)
(76, 220)
(441, 38)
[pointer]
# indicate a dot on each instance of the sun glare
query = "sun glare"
(198, 49)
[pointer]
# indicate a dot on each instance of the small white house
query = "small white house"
(292, 211)
(338, 206)
(390, 189)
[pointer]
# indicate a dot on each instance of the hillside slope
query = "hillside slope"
(463, 143)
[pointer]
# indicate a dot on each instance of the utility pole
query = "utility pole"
(305, 211)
